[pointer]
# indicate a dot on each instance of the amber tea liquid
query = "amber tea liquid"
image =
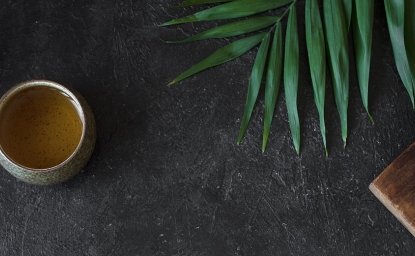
(40, 127)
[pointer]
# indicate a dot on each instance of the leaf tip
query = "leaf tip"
(326, 152)
(297, 148)
(265, 138)
(264, 147)
(344, 138)
(171, 83)
(178, 21)
(371, 118)
(165, 24)
(239, 139)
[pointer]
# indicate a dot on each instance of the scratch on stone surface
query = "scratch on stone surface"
(227, 184)
(175, 220)
(252, 217)
(324, 199)
(280, 179)
(287, 237)
(212, 223)
(371, 220)
(24, 234)
(272, 210)
(323, 189)
(188, 228)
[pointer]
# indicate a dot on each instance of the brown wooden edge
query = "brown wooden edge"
(387, 203)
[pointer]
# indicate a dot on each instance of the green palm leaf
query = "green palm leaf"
(224, 54)
(291, 69)
(254, 85)
(187, 3)
(273, 81)
(395, 16)
(233, 29)
(410, 34)
(336, 25)
(317, 60)
(339, 15)
(348, 6)
(362, 36)
(234, 9)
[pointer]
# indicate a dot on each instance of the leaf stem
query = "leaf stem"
(282, 16)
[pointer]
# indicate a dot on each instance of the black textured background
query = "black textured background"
(166, 177)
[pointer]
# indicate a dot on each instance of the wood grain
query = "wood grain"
(395, 188)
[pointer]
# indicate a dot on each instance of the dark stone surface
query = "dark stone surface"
(166, 177)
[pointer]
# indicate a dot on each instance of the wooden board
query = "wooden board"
(395, 188)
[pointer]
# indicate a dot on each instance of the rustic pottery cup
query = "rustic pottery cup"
(79, 157)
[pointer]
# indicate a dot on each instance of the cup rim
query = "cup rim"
(45, 83)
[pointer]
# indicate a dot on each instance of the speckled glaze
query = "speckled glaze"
(71, 166)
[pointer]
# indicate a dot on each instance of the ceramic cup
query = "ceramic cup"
(75, 162)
